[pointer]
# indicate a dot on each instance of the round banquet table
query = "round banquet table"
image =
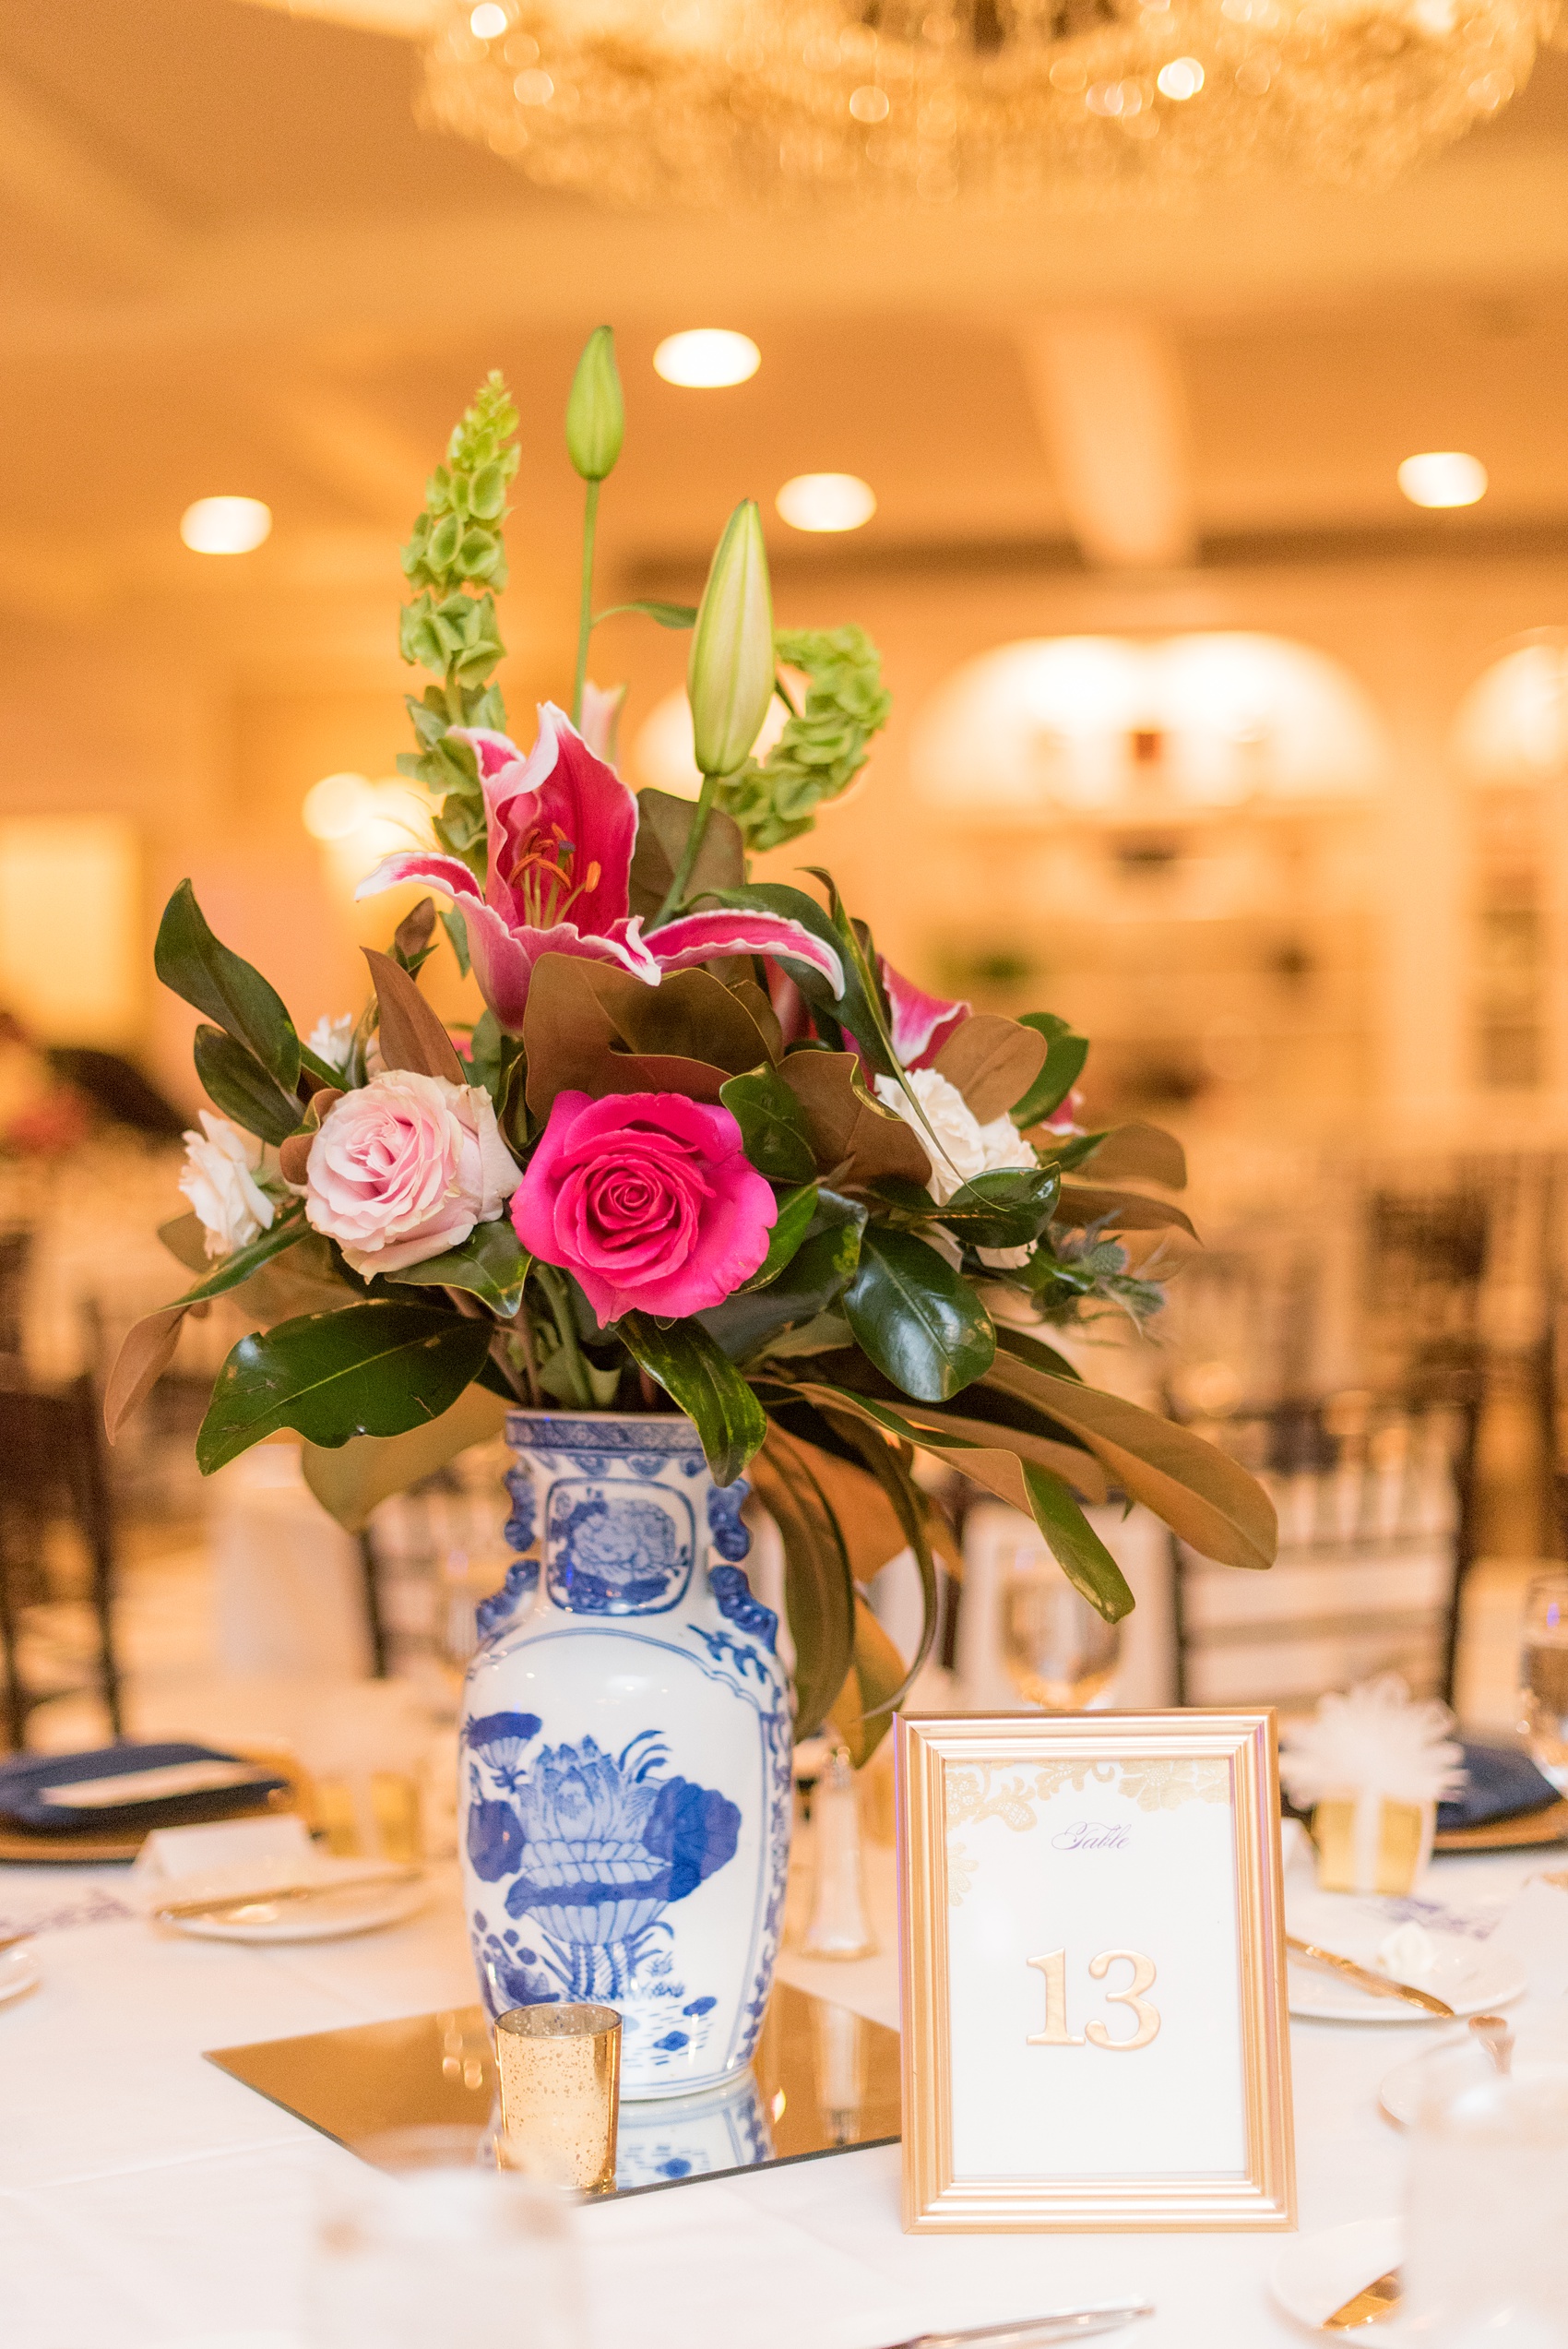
(147, 2198)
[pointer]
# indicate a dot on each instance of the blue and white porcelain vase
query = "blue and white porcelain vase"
(627, 1768)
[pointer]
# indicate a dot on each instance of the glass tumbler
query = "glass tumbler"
(1059, 1652)
(425, 2243)
(1486, 2221)
(1544, 1696)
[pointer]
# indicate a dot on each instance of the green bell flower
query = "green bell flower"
(730, 678)
(596, 412)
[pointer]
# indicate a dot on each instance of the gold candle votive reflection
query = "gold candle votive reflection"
(560, 2074)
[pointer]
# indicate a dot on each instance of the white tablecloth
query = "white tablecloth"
(147, 2199)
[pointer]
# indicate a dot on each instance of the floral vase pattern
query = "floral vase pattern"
(626, 1790)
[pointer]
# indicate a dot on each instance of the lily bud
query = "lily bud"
(596, 413)
(730, 678)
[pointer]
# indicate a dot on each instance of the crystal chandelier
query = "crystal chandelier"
(714, 101)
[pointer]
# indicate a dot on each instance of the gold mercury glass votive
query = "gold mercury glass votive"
(560, 2074)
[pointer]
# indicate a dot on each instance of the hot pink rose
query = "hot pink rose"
(648, 1200)
(404, 1168)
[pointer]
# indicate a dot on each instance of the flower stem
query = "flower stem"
(555, 1287)
(585, 607)
(531, 1360)
(675, 894)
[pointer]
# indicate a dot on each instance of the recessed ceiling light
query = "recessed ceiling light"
(488, 21)
(826, 502)
(1442, 477)
(337, 805)
(225, 525)
(706, 358)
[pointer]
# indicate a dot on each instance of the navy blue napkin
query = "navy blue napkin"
(24, 1777)
(1502, 1782)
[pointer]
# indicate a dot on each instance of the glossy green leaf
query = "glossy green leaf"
(815, 1276)
(990, 1453)
(234, 1081)
(853, 1009)
(796, 1210)
(372, 1369)
(699, 1376)
(229, 1271)
(773, 1127)
(1035, 1351)
(350, 1480)
(819, 1588)
(491, 1264)
(920, 1322)
(1065, 1052)
(198, 966)
(891, 1469)
(457, 931)
(1074, 1545)
(861, 1713)
(1003, 1210)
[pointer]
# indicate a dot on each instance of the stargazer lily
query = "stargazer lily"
(562, 827)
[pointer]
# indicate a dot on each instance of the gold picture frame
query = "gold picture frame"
(1224, 2082)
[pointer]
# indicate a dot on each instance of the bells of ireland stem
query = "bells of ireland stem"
(596, 413)
(730, 676)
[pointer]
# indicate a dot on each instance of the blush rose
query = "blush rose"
(647, 1199)
(404, 1168)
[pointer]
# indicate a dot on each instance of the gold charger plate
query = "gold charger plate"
(1548, 1826)
(823, 2081)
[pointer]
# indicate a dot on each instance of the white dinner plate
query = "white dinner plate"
(348, 1907)
(1473, 1979)
(1399, 2092)
(19, 1972)
(1317, 2274)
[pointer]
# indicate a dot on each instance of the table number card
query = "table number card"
(1093, 1970)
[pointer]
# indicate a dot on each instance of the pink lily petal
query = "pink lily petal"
(698, 937)
(921, 1023)
(504, 959)
(560, 804)
(447, 873)
(601, 717)
(495, 752)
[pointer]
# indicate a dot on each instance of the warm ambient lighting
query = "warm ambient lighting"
(337, 805)
(1442, 477)
(488, 22)
(706, 358)
(826, 502)
(1183, 78)
(225, 525)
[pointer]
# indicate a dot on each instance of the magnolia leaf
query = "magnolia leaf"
(491, 1264)
(920, 1322)
(1065, 1052)
(1003, 1210)
(1034, 1349)
(796, 1210)
(851, 1133)
(234, 1080)
(772, 1124)
(350, 1481)
(891, 1469)
(1075, 1546)
(751, 1320)
(572, 1032)
(701, 1379)
(819, 1593)
(146, 1351)
(1200, 1493)
(410, 939)
(1084, 1203)
(690, 1013)
(974, 1449)
(372, 1369)
(194, 965)
(184, 1236)
(992, 1061)
(663, 823)
(757, 1002)
(457, 931)
(861, 1713)
(1147, 1153)
(411, 1035)
(855, 1008)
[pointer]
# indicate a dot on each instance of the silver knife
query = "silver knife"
(1038, 2333)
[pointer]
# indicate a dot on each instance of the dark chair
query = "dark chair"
(55, 1468)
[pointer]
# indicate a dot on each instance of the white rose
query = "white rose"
(219, 1182)
(404, 1168)
(970, 1148)
(333, 1041)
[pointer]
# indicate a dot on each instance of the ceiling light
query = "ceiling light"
(826, 502)
(488, 21)
(704, 358)
(1442, 477)
(225, 525)
(1183, 78)
(337, 805)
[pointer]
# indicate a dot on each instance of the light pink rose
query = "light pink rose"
(404, 1168)
(649, 1198)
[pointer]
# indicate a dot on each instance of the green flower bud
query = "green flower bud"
(596, 413)
(730, 678)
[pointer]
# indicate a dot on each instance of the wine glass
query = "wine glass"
(1486, 2224)
(1059, 1652)
(1544, 1697)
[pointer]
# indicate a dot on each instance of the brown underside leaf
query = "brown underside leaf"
(293, 1155)
(1201, 1494)
(350, 1480)
(1118, 1210)
(663, 822)
(861, 1713)
(144, 1354)
(748, 993)
(850, 1131)
(576, 1039)
(411, 1035)
(820, 1592)
(1145, 1153)
(970, 1446)
(690, 1013)
(992, 1061)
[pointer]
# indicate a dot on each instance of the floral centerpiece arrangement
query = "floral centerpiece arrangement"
(705, 1162)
